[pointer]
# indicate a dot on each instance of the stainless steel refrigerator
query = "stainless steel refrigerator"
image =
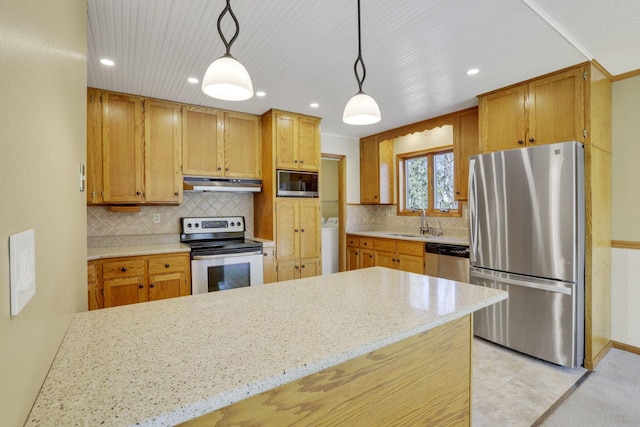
(526, 226)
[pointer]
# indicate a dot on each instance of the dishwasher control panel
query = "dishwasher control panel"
(447, 249)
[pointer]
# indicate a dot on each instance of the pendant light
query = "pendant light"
(361, 109)
(226, 78)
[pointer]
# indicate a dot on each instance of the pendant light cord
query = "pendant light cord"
(359, 59)
(227, 45)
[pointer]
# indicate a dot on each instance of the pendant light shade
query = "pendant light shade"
(226, 78)
(361, 109)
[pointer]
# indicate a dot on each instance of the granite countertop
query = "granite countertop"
(168, 361)
(134, 250)
(398, 235)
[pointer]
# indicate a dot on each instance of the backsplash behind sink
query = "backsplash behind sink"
(101, 222)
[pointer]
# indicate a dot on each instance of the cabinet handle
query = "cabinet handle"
(532, 140)
(226, 169)
(302, 230)
(141, 286)
(153, 285)
(167, 265)
(364, 243)
(297, 268)
(301, 161)
(219, 168)
(375, 197)
(295, 161)
(370, 256)
(393, 260)
(123, 269)
(138, 193)
(457, 192)
(520, 142)
(302, 265)
(296, 230)
(176, 193)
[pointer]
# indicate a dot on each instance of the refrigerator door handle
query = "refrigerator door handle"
(550, 288)
(473, 217)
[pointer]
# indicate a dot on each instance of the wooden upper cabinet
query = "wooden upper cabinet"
(503, 119)
(94, 147)
(122, 148)
(542, 111)
(242, 145)
(202, 142)
(466, 142)
(376, 171)
(297, 143)
(162, 152)
(556, 108)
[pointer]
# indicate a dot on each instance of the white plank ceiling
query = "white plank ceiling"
(302, 51)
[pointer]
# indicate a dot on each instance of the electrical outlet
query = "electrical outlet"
(156, 218)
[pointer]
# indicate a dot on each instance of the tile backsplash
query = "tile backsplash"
(385, 218)
(101, 222)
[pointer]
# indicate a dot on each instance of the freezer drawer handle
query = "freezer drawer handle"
(549, 288)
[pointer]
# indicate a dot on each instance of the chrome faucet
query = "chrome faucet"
(424, 225)
(437, 231)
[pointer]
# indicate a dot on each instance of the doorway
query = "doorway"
(333, 201)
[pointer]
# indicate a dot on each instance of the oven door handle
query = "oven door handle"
(201, 257)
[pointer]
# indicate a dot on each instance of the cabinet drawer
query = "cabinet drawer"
(411, 248)
(384, 245)
(352, 241)
(124, 268)
(167, 264)
(366, 243)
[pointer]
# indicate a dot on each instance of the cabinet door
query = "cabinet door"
(466, 142)
(94, 147)
(556, 108)
(286, 141)
(353, 258)
(270, 274)
(287, 231)
(162, 286)
(366, 258)
(310, 230)
(242, 146)
(162, 152)
(122, 148)
(174, 263)
(124, 290)
(288, 270)
(309, 144)
(309, 267)
(93, 286)
(384, 259)
(202, 142)
(502, 119)
(410, 263)
(369, 176)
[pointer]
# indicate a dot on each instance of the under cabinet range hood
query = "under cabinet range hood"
(235, 185)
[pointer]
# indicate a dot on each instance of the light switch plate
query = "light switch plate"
(22, 264)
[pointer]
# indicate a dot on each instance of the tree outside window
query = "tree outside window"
(428, 182)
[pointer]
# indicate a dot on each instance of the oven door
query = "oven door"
(210, 273)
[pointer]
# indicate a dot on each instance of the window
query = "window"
(426, 181)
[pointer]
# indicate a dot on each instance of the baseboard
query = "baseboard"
(626, 347)
(590, 364)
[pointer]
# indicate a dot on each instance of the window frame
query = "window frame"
(401, 179)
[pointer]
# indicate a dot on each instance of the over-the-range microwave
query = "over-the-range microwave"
(297, 184)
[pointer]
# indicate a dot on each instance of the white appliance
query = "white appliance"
(221, 257)
(330, 246)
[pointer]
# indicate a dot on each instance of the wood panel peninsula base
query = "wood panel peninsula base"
(422, 380)
(374, 346)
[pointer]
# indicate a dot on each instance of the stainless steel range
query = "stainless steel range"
(221, 257)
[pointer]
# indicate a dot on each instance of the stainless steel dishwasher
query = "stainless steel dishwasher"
(447, 261)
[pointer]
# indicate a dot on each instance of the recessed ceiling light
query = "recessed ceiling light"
(314, 105)
(192, 80)
(260, 93)
(107, 62)
(472, 71)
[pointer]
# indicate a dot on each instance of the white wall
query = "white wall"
(625, 210)
(43, 83)
(349, 147)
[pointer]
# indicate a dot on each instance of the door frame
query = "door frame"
(342, 207)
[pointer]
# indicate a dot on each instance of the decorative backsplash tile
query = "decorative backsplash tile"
(101, 222)
(385, 218)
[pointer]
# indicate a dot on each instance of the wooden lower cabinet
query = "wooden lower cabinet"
(270, 274)
(131, 280)
(402, 255)
(298, 269)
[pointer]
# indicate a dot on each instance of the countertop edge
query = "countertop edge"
(392, 235)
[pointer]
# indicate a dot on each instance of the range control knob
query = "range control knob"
(189, 225)
(239, 223)
(233, 223)
(197, 225)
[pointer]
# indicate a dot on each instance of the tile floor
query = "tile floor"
(512, 389)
